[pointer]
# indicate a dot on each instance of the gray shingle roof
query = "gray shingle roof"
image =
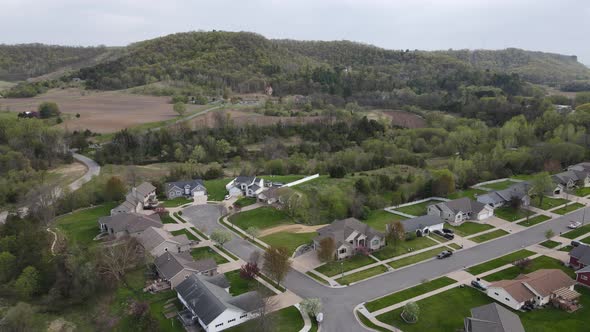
(145, 189)
(131, 222)
(493, 318)
(464, 205)
(340, 230)
(170, 264)
(411, 225)
(153, 237)
(518, 190)
(582, 253)
(181, 184)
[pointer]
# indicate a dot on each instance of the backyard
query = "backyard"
(216, 189)
(82, 226)
(541, 262)
(469, 228)
(499, 185)
(285, 320)
(418, 209)
(289, 240)
(548, 202)
(379, 219)
(469, 193)
(496, 263)
(408, 293)
(245, 201)
(206, 252)
(261, 218)
(284, 179)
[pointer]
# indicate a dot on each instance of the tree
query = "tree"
(396, 232)
(522, 264)
(249, 270)
(115, 189)
(313, 306)
(541, 184)
(180, 108)
(18, 318)
(115, 260)
(549, 234)
(326, 250)
(337, 171)
(221, 236)
(443, 183)
(253, 232)
(277, 262)
(411, 312)
(27, 283)
(48, 110)
(7, 266)
(198, 154)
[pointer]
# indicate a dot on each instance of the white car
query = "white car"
(574, 225)
(227, 197)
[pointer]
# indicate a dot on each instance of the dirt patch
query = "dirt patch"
(66, 174)
(61, 325)
(291, 229)
(248, 117)
(101, 112)
(405, 119)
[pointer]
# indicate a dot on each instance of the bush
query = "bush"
(48, 110)
(337, 171)
(411, 312)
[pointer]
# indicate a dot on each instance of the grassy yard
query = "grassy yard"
(496, 263)
(586, 240)
(566, 248)
(379, 219)
(534, 220)
(549, 244)
(238, 285)
(362, 275)
(167, 219)
(285, 320)
(454, 246)
(488, 236)
(186, 232)
(577, 232)
(541, 262)
(469, 193)
(511, 214)
(331, 269)
(367, 322)
(548, 202)
(416, 258)
(404, 247)
(245, 201)
(82, 226)
(408, 293)
(499, 185)
(206, 252)
(216, 189)
(261, 218)
(567, 209)
(175, 202)
(469, 228)
(288, 240)
(418, 209)
(282, 178)
(582, 192)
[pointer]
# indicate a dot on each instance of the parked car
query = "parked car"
(444, 254)
(575, 243)
(574, 225)
(448, 231)
(439, 233)
(227, 197)
(449, 236)
(478, 284)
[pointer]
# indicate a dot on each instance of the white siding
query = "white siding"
(226, 317)
(500, 295)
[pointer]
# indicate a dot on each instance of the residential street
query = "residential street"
(93, 169)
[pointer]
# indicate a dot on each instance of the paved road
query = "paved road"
(93, 169)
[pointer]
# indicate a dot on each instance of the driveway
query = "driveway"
(204, 217)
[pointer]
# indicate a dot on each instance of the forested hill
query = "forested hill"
(24, 61)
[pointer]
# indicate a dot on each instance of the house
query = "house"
(271, 196)
(194, 189)
(157, 241)
(128, 224)
(493, 318)
(460, 210)
(423, 225)
(577, 175)
(138, 199)
(175, 267)
(536, 288)
(580, 256)
(583, 276)
(249, 186)
(499, 198)
(212, 307)
(349, 236)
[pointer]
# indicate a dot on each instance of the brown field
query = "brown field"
(405, 119)
(101, 112)
(245, 117)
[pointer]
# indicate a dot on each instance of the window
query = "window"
(584, 277)
(507, 299)
(218, 325)
(496, 293)
(376, 242)
(342, 251)
(231, 320)
(243, 316)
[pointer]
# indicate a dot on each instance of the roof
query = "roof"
(340, 230)
(170, 264)
(153, 237)
(581, 253)
(272, 193)
(584, 270)
(207, 300)
(131, 222)
(544, 282)
(181, 184)
(463, 204)
(519, 190)
(411, 225)
(145, 189)
(245, 179)
(135, 196)
(493, 318)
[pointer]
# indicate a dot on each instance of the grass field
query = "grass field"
(82, 226)
(534, 220)
(261, 218)
(577, 232)
(404, 247)
(582, 192)
(175, 202)
(511, 214)
(245, 201)
(206, 252)
(541, 262)
(408, 293)
(289, 240)
(216, 189)
(548, 203)
(379, 219)
(418, 209)
(282, 178)
(496, 263)
(331, 269)
(469, 228)
(416, 258)
(362, 275)
(238, 285)
(567, 209)
(488, 236)
(285, 320)
(167, 219)
(499, 185)
(469, 193)
(549, 244)
(186, 232)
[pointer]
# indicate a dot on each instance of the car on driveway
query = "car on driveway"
(444, 254)
(574, 225)
(448, 231)
(477, 283)
(443, 234)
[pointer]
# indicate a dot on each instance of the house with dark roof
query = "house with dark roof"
(138, 199)
(212, 307)
(249, 186)
(499, 198)
(128, 224)
(193, 189)
(579, 256)
(157, 241)
(349, 236)
(583, 276)
(423, 225)
(460, 210)
(536, 288)
(577, 175)
(271, 195)
(176, 267)
(493, 318)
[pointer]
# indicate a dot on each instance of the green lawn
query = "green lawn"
(285, 320)
(82, 226)
(577, 232)
(582, 192)
(282, 178)
(206, 252)
(469, 228)
(417, 258)
(317, 278)
(379, 219)
(216, 189)
(534, 220)
(404, 247)
(566, 248)
(261, 218)
(186, 232)
(567, 209)
(167, 219)
(454, 246)
(408, 293)
(367, 322)
(541, 262)
(499, 185)
(549, 244)
(362, 275)
(418, 209)
(496, 263)
(331, 269)
(586, 240)
(488, 236)
(245, 201)
(288, 240)
(238, 285)
(178, 201)
(469, 193)
(511, 214)
(548, 202)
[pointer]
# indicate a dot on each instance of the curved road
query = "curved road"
(93, 169)
(339, 303)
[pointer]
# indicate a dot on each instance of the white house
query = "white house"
(249, 186)
(209, 304)
(349, 236)
(460, 210)
(158, 241)
(423, 225)
(536, 288)
(138, 199)
(193, 189)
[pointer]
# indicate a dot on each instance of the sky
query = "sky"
(559, 26)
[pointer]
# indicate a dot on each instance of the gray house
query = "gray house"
(157, 241)
(423, 225)
(128, 224)
(189, 189)
(349, 235)
(137, 199)
(499, 198)
(175, 267)
(493, 318)
(460, 210)
(576, 176)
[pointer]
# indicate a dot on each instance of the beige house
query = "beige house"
(128, 224)
(138, 199)
(350, 235)
(157, 241)
(176, 267)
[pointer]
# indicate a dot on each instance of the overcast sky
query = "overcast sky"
(560, 26)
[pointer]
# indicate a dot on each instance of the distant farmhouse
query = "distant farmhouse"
(350, 235)
(138, 199)
(193, 189)
(460, 210)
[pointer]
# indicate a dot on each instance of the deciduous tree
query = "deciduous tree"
(277, 262)
(541, 184)
(27, 283)
(326, 249)
(180, 108)
(221, 236)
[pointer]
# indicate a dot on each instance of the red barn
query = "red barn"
(583, 276)
(580, 256)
